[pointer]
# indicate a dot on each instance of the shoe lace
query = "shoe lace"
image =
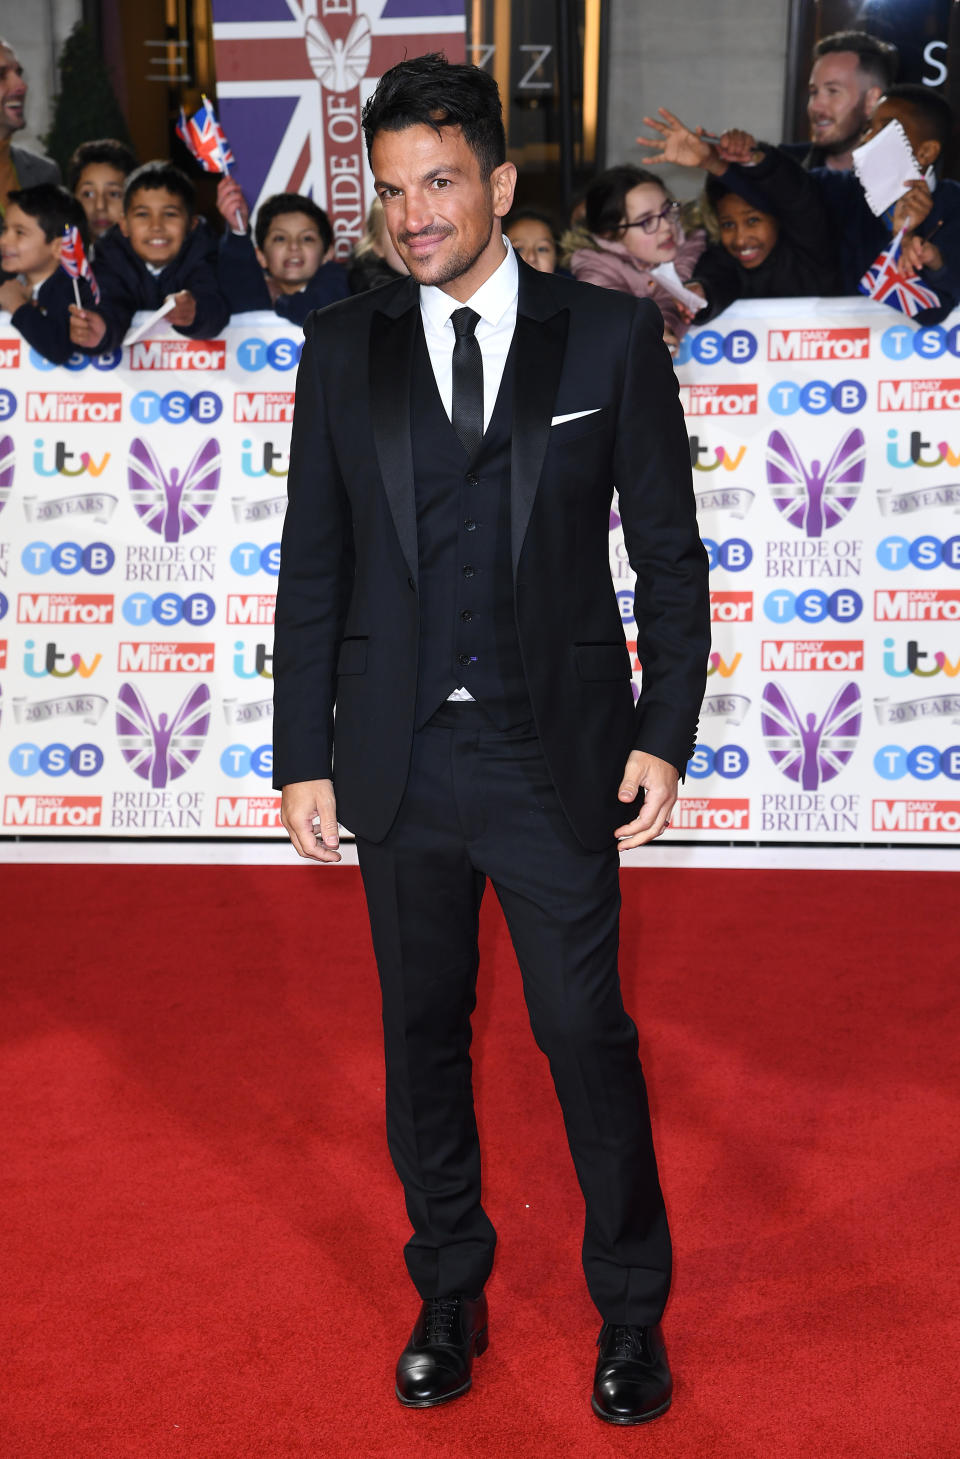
(440, 1317)
(627, 1342)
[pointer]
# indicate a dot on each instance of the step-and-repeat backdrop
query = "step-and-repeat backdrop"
(141, 502)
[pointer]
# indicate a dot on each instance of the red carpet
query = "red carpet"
(200, 1227)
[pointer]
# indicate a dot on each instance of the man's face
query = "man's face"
(24, 249)
(839, 101)
(156, 223)
(99, 191)
(292, 250)
(13, 93)
(438, 209)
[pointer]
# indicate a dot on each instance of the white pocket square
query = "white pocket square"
(558, 420)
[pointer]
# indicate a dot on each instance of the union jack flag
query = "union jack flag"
(884, 282)
(292, 77)
(203, 136)
(74, 261)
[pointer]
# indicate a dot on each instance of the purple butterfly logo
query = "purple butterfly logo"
(176, 503)
(813, 498)
(6, 469)
(804, 750)
(162, 749)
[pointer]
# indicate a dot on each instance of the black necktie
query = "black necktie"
(467, 417)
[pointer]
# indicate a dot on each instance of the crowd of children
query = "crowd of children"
(764, 226)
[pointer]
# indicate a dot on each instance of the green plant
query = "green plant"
(85, 106)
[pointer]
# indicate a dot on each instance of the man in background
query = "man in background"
(851, 71)
(18, 167)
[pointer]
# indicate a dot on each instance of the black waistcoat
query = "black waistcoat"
(468, 633)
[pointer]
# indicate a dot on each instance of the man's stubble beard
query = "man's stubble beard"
(459, 263)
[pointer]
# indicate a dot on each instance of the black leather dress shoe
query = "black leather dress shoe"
(435, 1365)
(632, 1383)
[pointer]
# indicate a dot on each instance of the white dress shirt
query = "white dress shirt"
(496, 303)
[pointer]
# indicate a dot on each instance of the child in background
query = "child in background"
(375, 261)
(780, 247)
(632, 225)
(534, 238)
(159, 248)
(40, 294)
(290, 268)
(96, 175)
(929, 209)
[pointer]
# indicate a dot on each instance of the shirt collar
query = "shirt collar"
(491, 301)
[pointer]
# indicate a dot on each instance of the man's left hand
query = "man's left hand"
(913, 207)
(659, 780)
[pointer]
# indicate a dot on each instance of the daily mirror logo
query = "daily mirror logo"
(263, 406)
(718, 400)
(179, 354)
(918, 395)
(75, 812)
(818, 344)
(939, 816)
(694, 813)
(79, 407)
(249, 812)
(916, 605)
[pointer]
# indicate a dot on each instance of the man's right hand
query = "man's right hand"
(87, 329)
(303, 805)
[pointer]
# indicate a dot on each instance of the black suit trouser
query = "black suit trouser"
(479, 803)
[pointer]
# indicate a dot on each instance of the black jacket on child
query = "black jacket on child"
(128, 285)
(244, 286)
(803, 259)
(45, 322)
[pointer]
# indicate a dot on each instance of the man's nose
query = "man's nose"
(417, 213)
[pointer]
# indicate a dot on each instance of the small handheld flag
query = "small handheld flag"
(885, 282)
(74, 261)
(204, 138)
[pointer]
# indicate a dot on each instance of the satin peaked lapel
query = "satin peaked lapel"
(538, 361)
(392, 339)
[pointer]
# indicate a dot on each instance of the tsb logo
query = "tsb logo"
(709, 347)
(901, 342)
(67, 558)
(735, 555)
(247, 558)
(813, 606)
(238, 760)
(56, 759)
(169, 608)
(176, 407)
(816, 397)
(926, 553)
(925, 762)
(729, 762)
(280, 354)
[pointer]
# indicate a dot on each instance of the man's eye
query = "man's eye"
(441, 182)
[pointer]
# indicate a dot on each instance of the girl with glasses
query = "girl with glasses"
(632, 225)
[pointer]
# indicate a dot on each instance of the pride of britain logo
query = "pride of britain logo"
(813, 498)
(161, 749)
(804, 749)
(175, 503)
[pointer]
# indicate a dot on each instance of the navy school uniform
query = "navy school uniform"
(45, 322)
(244, 285)
(127, 285)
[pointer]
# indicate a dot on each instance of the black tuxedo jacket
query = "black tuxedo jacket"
(347, 608)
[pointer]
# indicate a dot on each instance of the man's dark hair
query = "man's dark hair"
(930, 110)
(607, 196)
(877, 59)
(105, 152)
(154, 175)
(53, 208)
(428, 91)
(280, 203)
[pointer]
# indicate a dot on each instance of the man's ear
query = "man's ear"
(56, 247)
(261, 258)
(503, 183)
(871, 99)
(123, 226)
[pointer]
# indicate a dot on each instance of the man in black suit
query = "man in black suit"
(445, 581)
